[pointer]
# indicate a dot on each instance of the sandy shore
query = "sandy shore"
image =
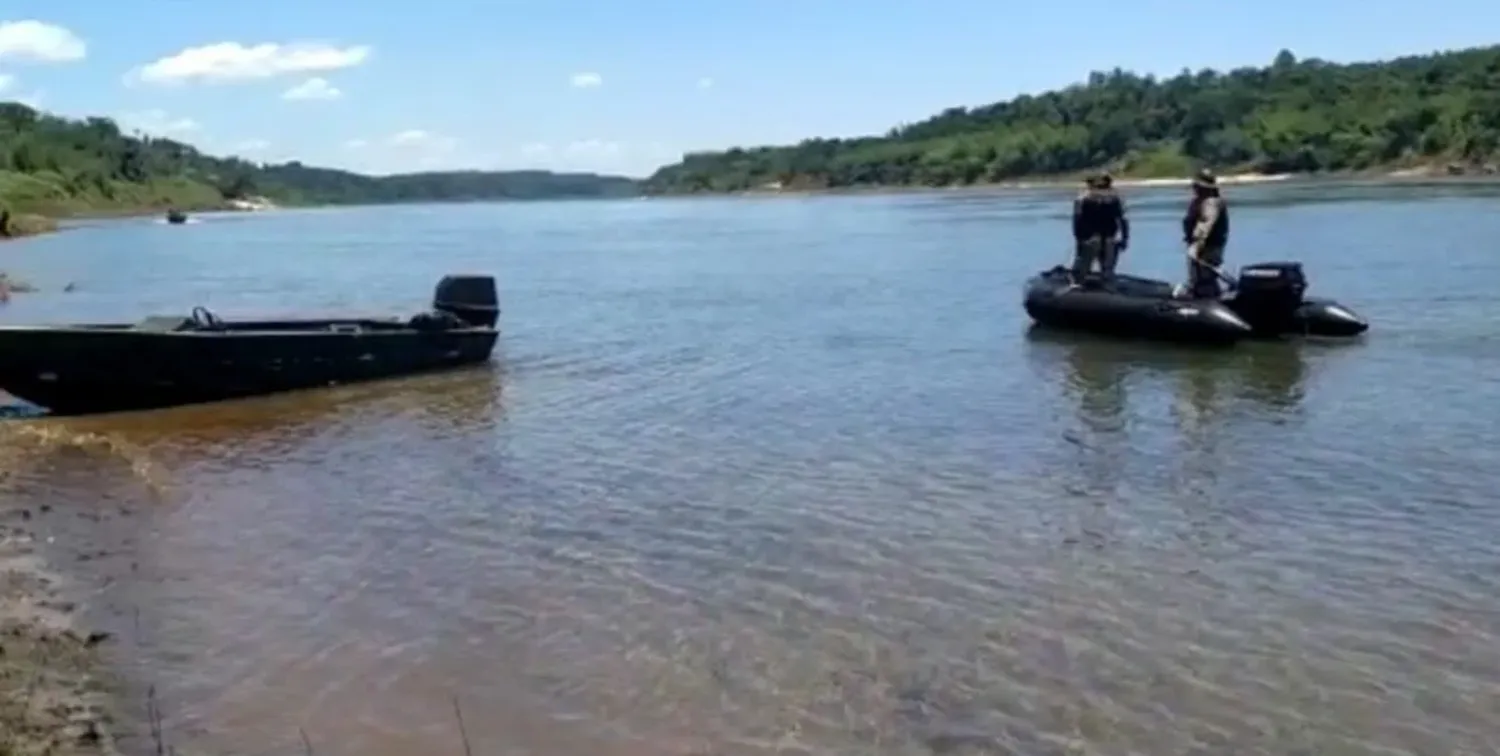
(252, 204)
(53, 698)
(59, 694)
(37, 225)
(1417, 175)
(63, 691)
(1230, 179)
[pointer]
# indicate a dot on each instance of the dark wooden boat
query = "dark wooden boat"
(165, 361)
(176, 217)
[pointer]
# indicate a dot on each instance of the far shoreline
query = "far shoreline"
(32, 224)
(1389, 177)
(38, 224)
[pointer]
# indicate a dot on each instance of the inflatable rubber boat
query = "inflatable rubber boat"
(1266, 301)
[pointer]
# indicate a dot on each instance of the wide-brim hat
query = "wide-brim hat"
(1206, 179)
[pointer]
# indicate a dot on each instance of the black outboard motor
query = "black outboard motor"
(470, 298)
(1268, 295)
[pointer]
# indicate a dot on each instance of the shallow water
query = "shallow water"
(750, 474)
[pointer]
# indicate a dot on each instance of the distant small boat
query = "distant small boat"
(176, 217)
(166, 361)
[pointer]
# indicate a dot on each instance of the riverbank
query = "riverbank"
(1417, 174)
(22, 225)
(53, 695)
(17, 225)
(60, 689)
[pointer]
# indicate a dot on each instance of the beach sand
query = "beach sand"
(57, 695)
(53, 699)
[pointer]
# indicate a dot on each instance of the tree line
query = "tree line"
(53, 165)
(1293, 116)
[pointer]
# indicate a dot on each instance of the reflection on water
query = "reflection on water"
(147, 443)
(1271, 373)
(1209, 392)
(468, 399)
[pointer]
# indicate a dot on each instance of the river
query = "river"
(792, 473)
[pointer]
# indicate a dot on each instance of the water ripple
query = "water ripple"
(794, 476)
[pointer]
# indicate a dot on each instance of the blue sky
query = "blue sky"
(475, 84)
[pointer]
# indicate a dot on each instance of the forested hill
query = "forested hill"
(1292, 116)
(54, 165)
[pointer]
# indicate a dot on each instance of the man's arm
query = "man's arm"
(1124, 225)
(1078, 217)
(1208, 216)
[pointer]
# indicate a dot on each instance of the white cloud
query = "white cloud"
(601, 155)
(426, 141)
(6, 80)
(224, 62)
(584, 154)
(705, 83)
(39, 42)
(586, 80)
(157, 122)
(250, 146)
(316, 88)
(661, 152)
(410, 136)
(409, 150)
(593, 148)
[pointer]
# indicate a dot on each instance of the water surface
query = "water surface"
(793, 473)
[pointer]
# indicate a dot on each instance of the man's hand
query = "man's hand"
(1122, 244)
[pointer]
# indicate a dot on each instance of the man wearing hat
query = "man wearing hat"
(1205, 229)
(1098, 216)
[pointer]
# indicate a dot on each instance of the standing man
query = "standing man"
(1205, 229)
(1098, 217)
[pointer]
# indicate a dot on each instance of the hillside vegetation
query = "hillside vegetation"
(58, 166)
(1290, 117)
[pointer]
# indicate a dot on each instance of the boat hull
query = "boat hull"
(1130, 307)
(88, 370)
(1267, 303)
(1313, 317)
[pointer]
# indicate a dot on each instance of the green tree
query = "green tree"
(1291, 116)
(55, 165)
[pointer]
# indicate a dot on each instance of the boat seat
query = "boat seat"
(165, 324)
(436, 320)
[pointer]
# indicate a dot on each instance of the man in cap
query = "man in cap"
(1205, 229)
(1098, 217)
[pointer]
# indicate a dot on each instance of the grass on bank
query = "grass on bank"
(35, 200)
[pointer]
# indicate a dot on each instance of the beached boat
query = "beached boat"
(165, 361)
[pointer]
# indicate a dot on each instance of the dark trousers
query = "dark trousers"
(1202, 281)
(1103, 250)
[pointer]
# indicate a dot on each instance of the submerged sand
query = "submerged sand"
(54, 693)
(53, 699)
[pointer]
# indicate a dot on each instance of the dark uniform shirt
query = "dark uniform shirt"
(1099, 213)
(1207, 221)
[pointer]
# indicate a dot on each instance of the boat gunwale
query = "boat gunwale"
(130, 329)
